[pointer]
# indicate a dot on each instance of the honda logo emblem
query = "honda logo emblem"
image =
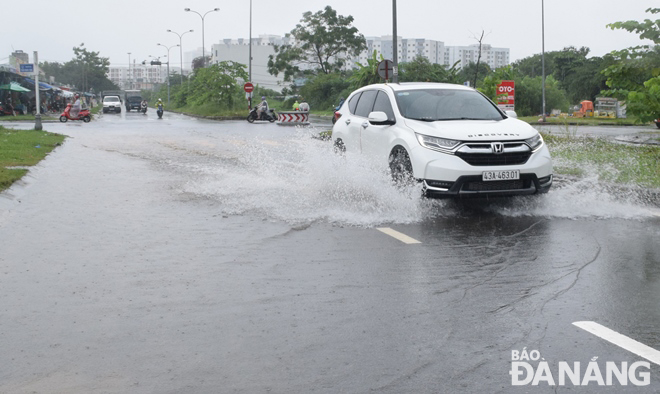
(497, 147)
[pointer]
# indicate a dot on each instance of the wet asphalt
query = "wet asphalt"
(190, 256)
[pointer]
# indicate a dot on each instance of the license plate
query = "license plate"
(501, 175)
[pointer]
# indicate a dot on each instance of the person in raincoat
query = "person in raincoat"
(296, 106)
(75, 108)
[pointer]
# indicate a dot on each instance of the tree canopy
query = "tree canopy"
(87, 70)
(635, 75)
(323, 42)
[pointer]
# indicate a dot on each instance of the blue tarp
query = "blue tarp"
(42, 85)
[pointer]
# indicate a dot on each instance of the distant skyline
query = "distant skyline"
(122, 26)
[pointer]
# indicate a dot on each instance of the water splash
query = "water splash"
(300, 180)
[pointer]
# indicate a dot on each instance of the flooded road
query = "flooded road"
(189, 256)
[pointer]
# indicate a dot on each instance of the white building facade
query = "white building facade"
(435, 51)
(238, 50)
(140, 76)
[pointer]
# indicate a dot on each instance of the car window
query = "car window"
(446, 104)
(353, 102)
(111, 99)
(383, 104)
(366, 103)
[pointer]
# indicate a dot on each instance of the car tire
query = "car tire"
(339, 147)
(401, 167)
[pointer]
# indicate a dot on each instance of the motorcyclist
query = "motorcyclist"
(263, 107)
(304, 107)
(160, 103)
(296, 106)
(75, 109)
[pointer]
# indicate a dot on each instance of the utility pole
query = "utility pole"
(395, 52)
(250, 60)
(37, 116)
(543, 54)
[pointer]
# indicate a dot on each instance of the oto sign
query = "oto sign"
(248, 87)
(506, 94)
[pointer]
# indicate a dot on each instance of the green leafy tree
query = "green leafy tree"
(87, 70)
(635, 75)
(216, 84)
(323, 91)
(321, 43)
(366, 74)
(529, 95)
(469, 71)
(422, 70)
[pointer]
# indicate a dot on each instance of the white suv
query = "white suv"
(450, 137)
(111, 104)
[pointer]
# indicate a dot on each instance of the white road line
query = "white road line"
(620, 340)
(401, 237)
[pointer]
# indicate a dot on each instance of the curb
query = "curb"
(209, 117)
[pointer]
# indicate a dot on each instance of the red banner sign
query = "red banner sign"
(506, 94)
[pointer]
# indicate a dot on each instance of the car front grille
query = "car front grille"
(491, 159)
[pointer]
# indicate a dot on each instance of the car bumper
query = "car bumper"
(445, 175)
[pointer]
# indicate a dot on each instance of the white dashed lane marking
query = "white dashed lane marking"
(400, 236)
(620, 340)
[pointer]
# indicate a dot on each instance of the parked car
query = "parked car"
(451, 138)
(111, 104)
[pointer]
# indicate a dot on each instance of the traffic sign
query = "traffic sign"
(386, 69)
(248, 87)
(26, 68)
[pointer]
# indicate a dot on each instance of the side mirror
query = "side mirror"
(380, 118)
(511, 114)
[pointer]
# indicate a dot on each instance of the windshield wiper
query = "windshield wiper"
(463, 118)
(424, 119)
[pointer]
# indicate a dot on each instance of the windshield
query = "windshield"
(446, 104)
(114, 99)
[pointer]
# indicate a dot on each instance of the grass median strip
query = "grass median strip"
(23, 148)
(637, 165)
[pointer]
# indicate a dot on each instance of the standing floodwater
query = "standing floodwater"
(181, 255)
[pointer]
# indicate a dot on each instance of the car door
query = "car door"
(376, 137)
(343, 129)
(362, 111)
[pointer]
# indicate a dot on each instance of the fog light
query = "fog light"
(440, 184)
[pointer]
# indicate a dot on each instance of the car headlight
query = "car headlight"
(436, 143)
(535, 141)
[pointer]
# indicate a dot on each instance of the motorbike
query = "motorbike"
(657, 122)
(5, 110)
(143, 107)
(270, 116)
(159, 111)
(82, 115)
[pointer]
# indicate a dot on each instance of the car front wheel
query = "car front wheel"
(401, 167)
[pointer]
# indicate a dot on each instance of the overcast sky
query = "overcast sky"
(117, 27)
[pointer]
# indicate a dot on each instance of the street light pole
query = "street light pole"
(180, 49)
(250, 60)
(395, 52)
(128, 73)
(543, 54)
(202, 16)
(168, 69)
